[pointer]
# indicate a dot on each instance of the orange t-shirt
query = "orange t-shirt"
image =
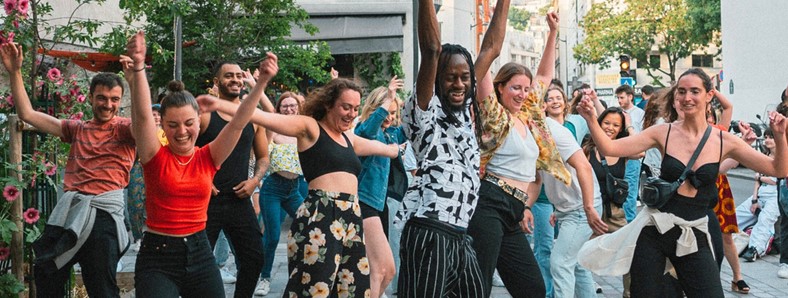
(101, 155)
(177, 195)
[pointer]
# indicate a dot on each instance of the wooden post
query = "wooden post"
(17, 238)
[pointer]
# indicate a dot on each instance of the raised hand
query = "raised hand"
(269, 67)
(12, 56)
(249, 79)
(334, 73)
(586, 109)
(746, 132)
(136, 49)
(777, 123)
(552, 21)
(394, 85)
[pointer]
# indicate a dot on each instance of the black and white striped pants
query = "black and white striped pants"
(437, 261)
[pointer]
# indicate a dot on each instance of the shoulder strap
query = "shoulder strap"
(695, 154)
(720, 146)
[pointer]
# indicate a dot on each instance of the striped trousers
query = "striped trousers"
(437, 260)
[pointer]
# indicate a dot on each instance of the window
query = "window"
(654, 61)
(702, 61)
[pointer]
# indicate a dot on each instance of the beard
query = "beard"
(224, 90)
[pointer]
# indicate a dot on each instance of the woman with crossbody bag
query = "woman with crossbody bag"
(677, 231)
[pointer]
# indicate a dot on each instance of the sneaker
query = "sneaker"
(749, 254)
(783, 272)
(227, 277)
(497, 282)
(598, 288)
(263, 287)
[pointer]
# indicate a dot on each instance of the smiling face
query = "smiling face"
(514, 92)
(105, 102)
(691, 97)
(555, 104)
(340, 116)
(392, 109)
(289, 106)
(181, 126)
(611, 125)
(455, 82)
(229, 81)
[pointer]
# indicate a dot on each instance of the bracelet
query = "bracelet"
(138, 70)
(526, 207)
(754, 201)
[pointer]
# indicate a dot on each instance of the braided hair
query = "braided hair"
(447, 51)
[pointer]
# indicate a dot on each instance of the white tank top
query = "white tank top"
(516, 158)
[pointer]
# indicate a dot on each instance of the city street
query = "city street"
(761, 275)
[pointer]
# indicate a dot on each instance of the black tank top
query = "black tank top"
(703, 179)
(235, 169)
(618, 170)
(326, 156)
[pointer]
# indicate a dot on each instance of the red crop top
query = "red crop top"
(177, 195)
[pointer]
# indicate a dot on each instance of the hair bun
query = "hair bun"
(175, 86)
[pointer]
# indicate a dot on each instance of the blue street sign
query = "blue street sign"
(628, 81)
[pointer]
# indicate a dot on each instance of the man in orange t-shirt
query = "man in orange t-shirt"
(97, 171)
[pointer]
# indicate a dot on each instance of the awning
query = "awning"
(356, 34)
(91, 61)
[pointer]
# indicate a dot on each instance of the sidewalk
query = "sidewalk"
(761, 275)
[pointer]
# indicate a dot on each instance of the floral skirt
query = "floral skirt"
(325, 248)
(726, 207)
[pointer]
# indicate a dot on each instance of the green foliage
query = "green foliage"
(633, 29)
(239, 31)
(10, 286)
(519, 18)
(705, 18)
(376, 69)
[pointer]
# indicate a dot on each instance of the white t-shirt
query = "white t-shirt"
(636, 118)
(566, 198)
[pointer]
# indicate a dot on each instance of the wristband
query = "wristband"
(527, 207)
(138, 70)
(754, 201)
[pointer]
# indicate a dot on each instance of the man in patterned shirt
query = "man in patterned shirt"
(436, 252)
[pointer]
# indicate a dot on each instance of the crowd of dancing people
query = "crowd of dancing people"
(480, 173)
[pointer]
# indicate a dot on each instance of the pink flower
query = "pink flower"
(10, 5)
(6, 38)
(53, 74)
(16, 23)
(51, 169)
(81, 98)
(74, 91)
(31, 215)
(77, 116)
(10, 193)
(4, 253)
(10, 100)
(65, 98)
(22, 7)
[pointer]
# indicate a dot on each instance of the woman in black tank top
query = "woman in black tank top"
(697, 271)
(326, 252)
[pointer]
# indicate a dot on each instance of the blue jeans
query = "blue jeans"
(569, 278)
(543, 236)
(632, 175)
(98, 258)
(277, 195)
(394, 235)
(177, 266)
(783, 208)
(222, 250)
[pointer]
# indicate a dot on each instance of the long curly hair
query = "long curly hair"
(323, 98)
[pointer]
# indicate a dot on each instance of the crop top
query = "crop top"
(704, 179)
(327, 156)
(516, 158)
(284, 158)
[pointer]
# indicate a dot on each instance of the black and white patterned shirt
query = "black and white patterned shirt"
(446, 186)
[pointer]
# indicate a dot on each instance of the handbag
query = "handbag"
(617, 188)
(656, 191)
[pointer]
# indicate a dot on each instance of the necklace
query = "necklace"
(179, 161)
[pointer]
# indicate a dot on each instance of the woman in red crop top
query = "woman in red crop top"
(175, 258)
(325, 247)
